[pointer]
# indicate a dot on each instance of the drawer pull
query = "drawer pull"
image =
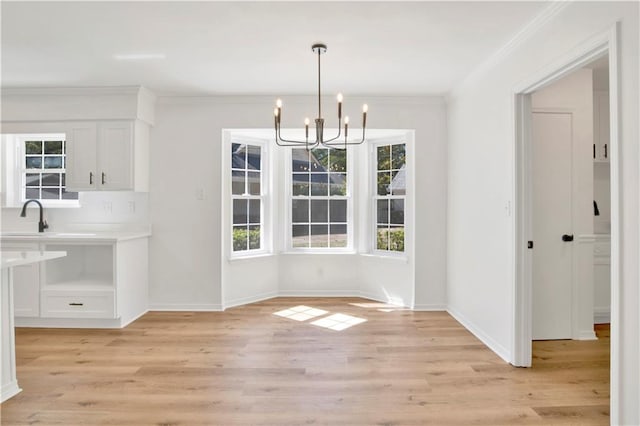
(76, 304)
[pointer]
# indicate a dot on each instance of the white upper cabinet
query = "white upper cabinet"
(601, 145)
(107, 156)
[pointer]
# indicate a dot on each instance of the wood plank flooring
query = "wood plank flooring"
(247, 366)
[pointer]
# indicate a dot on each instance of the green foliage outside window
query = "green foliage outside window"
(391, 239)
(242, 236)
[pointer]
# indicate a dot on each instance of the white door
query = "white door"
(552, 257)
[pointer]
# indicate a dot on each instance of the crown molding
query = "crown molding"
(510, 46)
(76, 91)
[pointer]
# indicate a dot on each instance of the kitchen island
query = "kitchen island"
(8, 382)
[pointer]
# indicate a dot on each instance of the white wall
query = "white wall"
(189, 269)
(481, 182)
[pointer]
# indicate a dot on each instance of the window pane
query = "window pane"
(239, 238)
(33, 147)
(319, 211)
(384, 183)
(300, 210)
(338, 184)
(240, 210)
(338, 236)
(399, 182)
(50, 193)
(397, 212)
(53, 147)
(320, 184)
(253, 179)
(384, 157)
(254, 237)
(69, 195)
(237, 182)
(33, 179)
(253, 157)
(396, 239)
(51, 179)
(299, 160)
(338, 161)
(338, 211)
(32, 193)
(300, 184)
(319, 160)
(300, 235)
(51, 162)
(254, 211)
(383, 238)
(238, 156)
(319, 235)
(33, 162)
(382, 212)
(398, 156)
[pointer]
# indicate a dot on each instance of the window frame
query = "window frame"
(289, 197)
(374, 196)
(264, 197)
(15, 175)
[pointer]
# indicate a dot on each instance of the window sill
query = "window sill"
(393, 257)
(321, 252)
(252, 256)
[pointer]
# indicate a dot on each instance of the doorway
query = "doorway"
(590, 51)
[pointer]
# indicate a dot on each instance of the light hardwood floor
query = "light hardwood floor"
(248, 366)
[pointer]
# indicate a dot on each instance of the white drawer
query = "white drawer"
(78, 304)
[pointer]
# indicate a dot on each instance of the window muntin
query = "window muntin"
(389, 198)
(43, 173)
(319, 199)
(247, 192)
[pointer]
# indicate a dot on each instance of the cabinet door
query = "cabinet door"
(26, 290)
(81, 157)
(115, 156)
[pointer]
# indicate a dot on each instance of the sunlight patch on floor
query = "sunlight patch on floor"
(300, 313)
(338, 322)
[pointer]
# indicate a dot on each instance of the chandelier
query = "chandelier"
(334, 142)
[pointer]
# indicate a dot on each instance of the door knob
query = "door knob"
(567, 237)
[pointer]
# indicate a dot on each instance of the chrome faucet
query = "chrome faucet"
(42, 225)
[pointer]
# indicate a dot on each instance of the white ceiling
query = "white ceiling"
(404, 48)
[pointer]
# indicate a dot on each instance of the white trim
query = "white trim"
(430, 307)
(320, 293)
(247, 300)
(593, 48)
(531, 28)
(9, 390)
(73, 322)
(602, 315)
(186, 307)
(500, 350)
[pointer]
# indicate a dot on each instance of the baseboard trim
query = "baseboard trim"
(69, 322)
(319, 293)
(251, 299)
(9, 390)
(587, 335)
(481, 335)
(430, 307)
(602, 316)
(186, 307)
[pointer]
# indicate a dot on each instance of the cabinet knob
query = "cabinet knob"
(76, 304)
(567, 238)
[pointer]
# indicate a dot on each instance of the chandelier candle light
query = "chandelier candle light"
(335, 142)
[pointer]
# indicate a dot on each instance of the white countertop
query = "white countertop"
(17, 258)
(98, 234)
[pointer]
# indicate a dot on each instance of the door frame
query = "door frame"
(598, 46)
